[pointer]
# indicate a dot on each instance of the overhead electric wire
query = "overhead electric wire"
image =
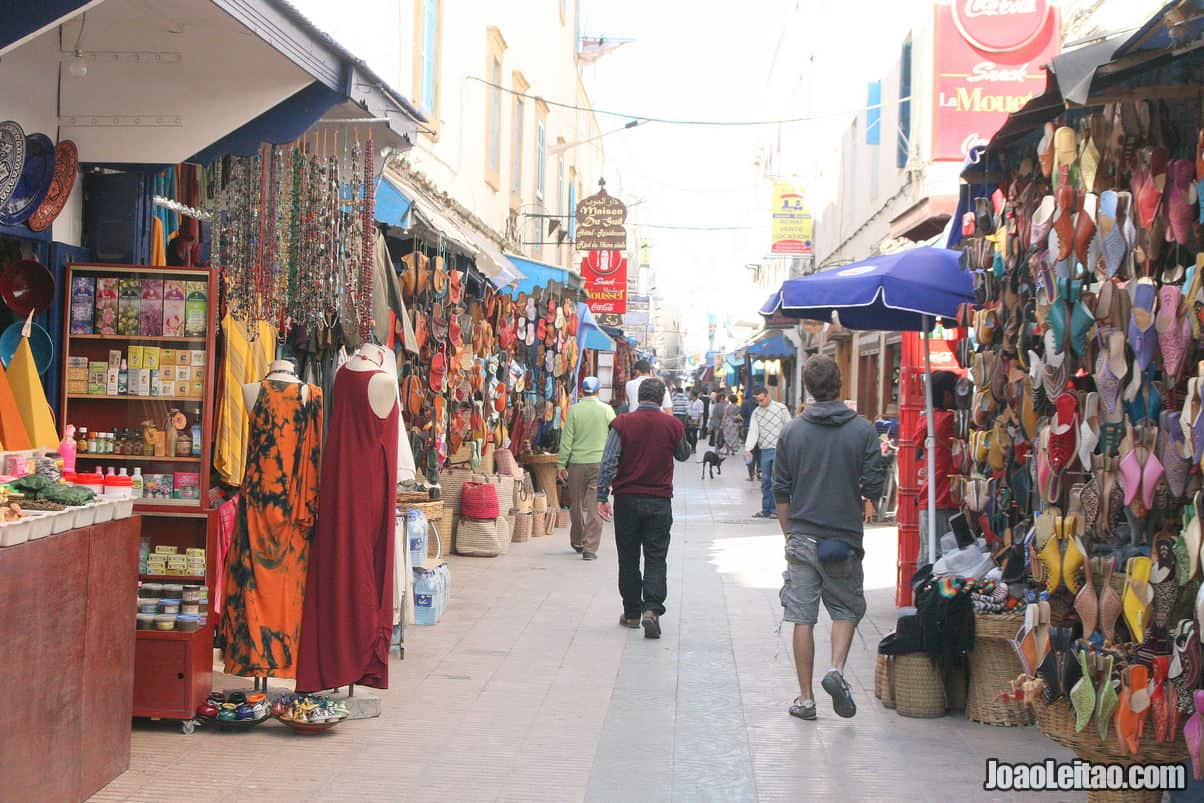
(643, 118)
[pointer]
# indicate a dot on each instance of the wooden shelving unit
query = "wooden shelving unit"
(172, 669)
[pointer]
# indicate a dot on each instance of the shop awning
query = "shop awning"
(734, 360)
(540, 274)
(499, 267)
(396, 199)
(773, 347)
(590, 335)
(163, 85)
(1180, 22)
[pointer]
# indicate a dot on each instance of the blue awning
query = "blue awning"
(284, 122)
(537, 275)
(774, 347)
(589, 334)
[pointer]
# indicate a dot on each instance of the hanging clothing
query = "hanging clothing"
(244, 361)
(31, 398)
(267, 567)
(13, 435)
(348, 620)
(158, 243)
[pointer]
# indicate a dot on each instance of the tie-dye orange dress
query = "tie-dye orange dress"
(268, 563)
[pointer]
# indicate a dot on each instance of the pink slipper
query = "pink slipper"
(1174, 330)
(1193, 732)
(1182, 200)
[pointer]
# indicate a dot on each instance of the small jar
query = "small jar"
(146, 621)
(174, 590)
(165, 621)
(192, 594)
(190, 609)
(148, 606)
(187, 623)
(169, 605)
(154, 590)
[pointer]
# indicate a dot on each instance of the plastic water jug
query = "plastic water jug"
(416, 534)
(426, 592)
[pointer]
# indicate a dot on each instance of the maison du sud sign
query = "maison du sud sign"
(601, 233)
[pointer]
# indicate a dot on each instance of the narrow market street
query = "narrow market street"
(528, 690)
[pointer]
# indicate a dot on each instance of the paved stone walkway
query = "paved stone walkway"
(528, 690)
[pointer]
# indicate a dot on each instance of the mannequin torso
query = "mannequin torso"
(382, 388)
(278, 371)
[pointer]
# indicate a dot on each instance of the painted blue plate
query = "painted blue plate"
(34, 182)
(39, 344)
(12, 158)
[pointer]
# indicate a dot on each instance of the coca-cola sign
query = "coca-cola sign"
(1000, 26)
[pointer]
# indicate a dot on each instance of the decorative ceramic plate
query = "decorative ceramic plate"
(34, 182)
(26, 286)
(12, 158)
(66, 162)
(39, 344)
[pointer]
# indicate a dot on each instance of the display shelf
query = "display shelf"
(134, 458)
(142, 338)
(97, 397)
(169, 578)
(168, 505)
(171, 635)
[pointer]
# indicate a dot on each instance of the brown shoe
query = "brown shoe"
(652, 625)
(634, 624)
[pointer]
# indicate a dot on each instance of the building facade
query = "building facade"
(512, 136)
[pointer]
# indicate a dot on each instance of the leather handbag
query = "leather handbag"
(479, 501)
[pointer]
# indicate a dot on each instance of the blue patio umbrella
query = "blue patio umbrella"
(906, 291)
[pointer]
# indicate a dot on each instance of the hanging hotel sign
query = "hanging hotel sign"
(989, 63)
(792, 228)
(600, 220)
(605, 275)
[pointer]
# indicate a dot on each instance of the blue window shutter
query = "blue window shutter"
(873, 113)
(904, 104)
(430, 52)
(573, 212)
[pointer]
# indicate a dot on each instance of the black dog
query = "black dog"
(712, 461)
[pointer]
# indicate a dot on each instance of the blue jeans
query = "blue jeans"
(767, 505)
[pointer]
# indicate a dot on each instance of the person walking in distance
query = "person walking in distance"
(715, 421)
(694, 414)
(681, 405)
(746, 410)
(731, 426)
(638, 465)
(826, 474)
(643, 370)
(768, 420)
(581, 446)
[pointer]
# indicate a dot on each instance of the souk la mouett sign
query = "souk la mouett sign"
(600, 219)
(792, 229)
(989, 56)
(605, 275)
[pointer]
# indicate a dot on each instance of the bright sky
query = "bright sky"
(701, 60)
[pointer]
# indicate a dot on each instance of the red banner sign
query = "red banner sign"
(989, 59)
(605, 275)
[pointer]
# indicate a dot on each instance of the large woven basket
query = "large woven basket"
(563, 518)
(993, 665)
(505, 463)
(523, 522)
(919, 687)
(1056, 721)
(487, 459)
(505, 490)
(478, 539)
(502, 523)
(884, 680)
(539, 503)
(539, 524)
(451, 482)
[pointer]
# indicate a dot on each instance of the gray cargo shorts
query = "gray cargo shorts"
(807, 580)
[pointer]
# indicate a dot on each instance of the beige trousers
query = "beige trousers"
(586, 531)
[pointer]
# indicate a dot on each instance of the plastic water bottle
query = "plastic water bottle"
(416, 532)
(426, 611)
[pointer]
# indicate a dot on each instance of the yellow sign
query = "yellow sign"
(792, 226)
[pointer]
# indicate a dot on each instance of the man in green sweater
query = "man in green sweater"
(581, 447)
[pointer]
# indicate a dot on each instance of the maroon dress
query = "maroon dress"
(348, 620)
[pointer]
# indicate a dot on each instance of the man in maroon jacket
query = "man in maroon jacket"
(638, 462)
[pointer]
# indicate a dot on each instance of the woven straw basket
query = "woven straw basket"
(523, 522)
(505, 490)
(505, 463)
(539, 524)
(487, 459)
(503, 534)
(993, 665)
(884, 680)
(434, 512)
(539, 503)
(477, 539)
(919, 688)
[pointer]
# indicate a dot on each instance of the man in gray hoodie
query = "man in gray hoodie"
(827, 469)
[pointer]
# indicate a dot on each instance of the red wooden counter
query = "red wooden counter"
(67, 625)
